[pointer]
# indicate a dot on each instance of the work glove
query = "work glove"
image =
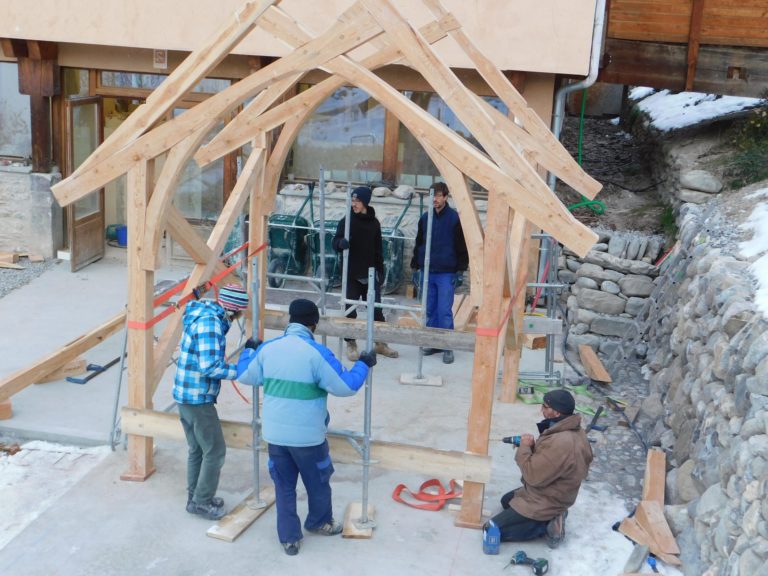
(252, 343)
(343, 244)
(368, 357)
(458, 279)
(246, 357)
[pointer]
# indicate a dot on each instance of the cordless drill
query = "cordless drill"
(514, 440)
(540, 566)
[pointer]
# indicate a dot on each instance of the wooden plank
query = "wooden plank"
(193, 69)
(6, 410)
(11, 266)
(9, 257)
(655, 476)
(592, 365)
(694, 37)
(632, 530)
(242, 516)
(650, 516)
(352, 514)
(486, 358)
(338, 39)
(390, 455)
(72, 368)
(24, 377)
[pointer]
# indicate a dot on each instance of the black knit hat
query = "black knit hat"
(304, 312)
(560, 400)
(362, 193)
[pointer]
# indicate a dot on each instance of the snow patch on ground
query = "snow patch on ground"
(669, 111)
(36, 477)
(757, 247)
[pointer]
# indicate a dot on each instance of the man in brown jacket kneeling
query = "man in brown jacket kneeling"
(553, 468)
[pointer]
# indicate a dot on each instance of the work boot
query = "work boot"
(291, 548)
(352, 354)
(448, 357)
(208, 511)
(384, 350)
(328, 529)
(556, 530)
(216, 501)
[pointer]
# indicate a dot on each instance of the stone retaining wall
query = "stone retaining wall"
(708, 360)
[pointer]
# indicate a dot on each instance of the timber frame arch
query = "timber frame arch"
(515, 149)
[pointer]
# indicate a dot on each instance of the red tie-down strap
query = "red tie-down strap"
(432, 500)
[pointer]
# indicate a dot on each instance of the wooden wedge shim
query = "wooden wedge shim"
(650, 516)
(655, 476)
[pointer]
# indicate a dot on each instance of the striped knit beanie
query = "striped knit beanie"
(233, 297)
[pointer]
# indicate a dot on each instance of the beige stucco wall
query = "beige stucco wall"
(528, 35)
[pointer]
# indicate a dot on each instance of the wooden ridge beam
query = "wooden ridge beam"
(389, 455)
(338, 39)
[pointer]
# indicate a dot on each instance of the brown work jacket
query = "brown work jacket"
(553, 470)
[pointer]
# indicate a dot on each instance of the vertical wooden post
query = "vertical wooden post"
(391, 147)
(140, 310)
(259, 209)
(486, 351)
(694, 38)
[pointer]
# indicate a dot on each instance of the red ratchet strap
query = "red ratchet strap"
(432, 500)
(195, 294)
(493, 332)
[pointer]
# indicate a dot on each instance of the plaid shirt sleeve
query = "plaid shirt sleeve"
(211, 343)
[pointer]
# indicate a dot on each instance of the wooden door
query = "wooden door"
(85, 218)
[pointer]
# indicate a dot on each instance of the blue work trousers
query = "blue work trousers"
(440, 300)
(314, 465)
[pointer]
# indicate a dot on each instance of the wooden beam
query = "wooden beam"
(39, 50)
(486, 357)
(6, 410)
(543, 144)
(14, 48)
(140, 310)
(338, 39)
(390, 455)
(694, 38)
(72, 368)
(655, 476)
(390, 155)
(632, 530)
(592, 365)
(242, 516)
(24, 377)
(650, 516)
(193, 69)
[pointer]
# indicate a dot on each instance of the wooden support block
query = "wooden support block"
(353, 513)
(409, 322)
(72, 368)
(650, 516)
(6, 410)
(412, 379)
(632, 530)
(242, 516)
(534, 342)
(36, 258)
(592, 364)
(9, 257)
(655, 476)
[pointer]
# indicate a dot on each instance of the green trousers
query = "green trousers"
(206, 450)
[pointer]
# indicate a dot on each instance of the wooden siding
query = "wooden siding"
(724, 22)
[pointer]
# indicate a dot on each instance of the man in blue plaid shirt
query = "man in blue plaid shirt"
(200, 369)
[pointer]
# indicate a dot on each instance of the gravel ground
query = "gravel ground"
(11, 279)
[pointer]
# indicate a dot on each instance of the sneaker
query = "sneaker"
(430, 351)
(216, 501)
(384, 350)
(556, 530)
(352, 354)
(328, 529)
(448, 357)
(291, 548)
(207, 511)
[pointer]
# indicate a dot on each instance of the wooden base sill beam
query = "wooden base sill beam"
(427, 461)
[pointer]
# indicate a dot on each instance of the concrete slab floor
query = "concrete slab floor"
(80, 519)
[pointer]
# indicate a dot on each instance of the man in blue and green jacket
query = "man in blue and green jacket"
(297, 375)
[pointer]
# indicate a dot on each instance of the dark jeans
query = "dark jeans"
(314, 465)
(357, 290)
(206, 449)
(514, 526)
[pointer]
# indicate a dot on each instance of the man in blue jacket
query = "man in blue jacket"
(448, 259)
(297, 374)
(200, 369)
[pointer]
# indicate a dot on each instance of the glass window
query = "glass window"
(75, 82)
(345, 135)
(414, 166)
(152, 81)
